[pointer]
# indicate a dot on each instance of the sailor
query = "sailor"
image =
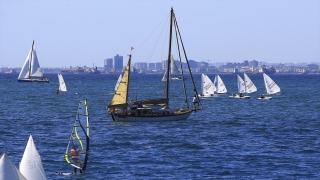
(195, 101)
(58, 92)
(131, 105)
(74, 151)
(261, 96)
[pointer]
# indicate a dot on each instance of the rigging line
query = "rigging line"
(183, 81)
(157, 42)
(151, 33)
(185, 55)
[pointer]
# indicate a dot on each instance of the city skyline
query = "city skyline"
(69, 33)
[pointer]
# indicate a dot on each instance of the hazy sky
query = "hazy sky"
(77, 32)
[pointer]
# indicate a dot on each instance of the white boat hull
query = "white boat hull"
(265, 98)
(152, 118)
(240, 97)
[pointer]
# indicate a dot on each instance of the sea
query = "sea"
(227, 139)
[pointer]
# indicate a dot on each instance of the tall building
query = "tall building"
(253, 63)
(118, 62)
(108, 64)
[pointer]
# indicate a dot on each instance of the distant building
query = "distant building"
(253, 63)
(158, 66)
(108, 64)
(118, 62)
(140, 65)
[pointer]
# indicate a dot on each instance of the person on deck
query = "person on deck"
(195, 101)
(75, 157)
(241, 95)
(261, 96)
(131, 105)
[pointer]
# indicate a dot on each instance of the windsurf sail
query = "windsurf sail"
(77, 151)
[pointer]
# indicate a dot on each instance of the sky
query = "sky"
(78, 32)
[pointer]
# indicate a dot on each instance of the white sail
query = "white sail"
(220, 87)
(118, 82)
(35, 66)
(207, 86)
(24, 73)
(249, 86)
(8, 170)
(271, 86)
(241, 85)
(174, 73)
(31, 164)
(62, 84)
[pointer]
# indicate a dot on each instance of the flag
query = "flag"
(132, 48)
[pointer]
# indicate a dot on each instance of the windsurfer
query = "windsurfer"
(75, 157)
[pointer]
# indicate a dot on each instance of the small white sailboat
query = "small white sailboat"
(244, 86)
(62, 84)
(77, 151)
(31, 164)
(174, 73)
(220, 87)
(271, 87)
(8, 170)
(207, 87)
(31, 71)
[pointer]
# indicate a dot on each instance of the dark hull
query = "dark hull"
(34, 80)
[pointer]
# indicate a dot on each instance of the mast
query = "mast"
(87, 133)
(31, 59)
(129, 70)
(169, 56)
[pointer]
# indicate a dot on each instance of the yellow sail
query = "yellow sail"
(120, 98)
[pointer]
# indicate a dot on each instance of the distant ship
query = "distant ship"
(11, 71)
(270, 70)
(81, 70)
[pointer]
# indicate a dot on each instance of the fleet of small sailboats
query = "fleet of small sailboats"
(31, 71)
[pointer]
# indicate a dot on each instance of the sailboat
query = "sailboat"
(271, 87)
(207, 87)
(31, 164)
(157, 109)
(174, 73)
(220, 87)
(8, 170)
(244, 86)
(31, 71)
(79, 139)
(62, 84)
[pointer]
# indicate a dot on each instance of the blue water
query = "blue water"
(228, 139)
